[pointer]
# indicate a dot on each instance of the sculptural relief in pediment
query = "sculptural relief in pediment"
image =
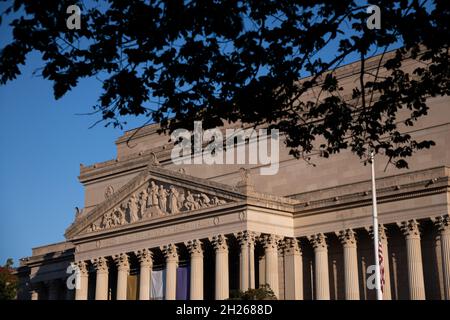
(154, 200)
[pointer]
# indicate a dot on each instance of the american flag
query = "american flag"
(381, 260)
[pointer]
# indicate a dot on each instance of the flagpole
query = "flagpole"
(375, 231)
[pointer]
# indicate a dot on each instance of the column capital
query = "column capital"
(194, 247)
(347, 237)
(219, 242)
(291, 246)
(270, 241)
(381, 232)
(246, 238)
(100, 264)
(442, 223)
(170, 252)
(122, 261)
(410, 228)
(145, 257)
(318, 241)
(82, 267)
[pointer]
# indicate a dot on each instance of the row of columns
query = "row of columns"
(268, 265)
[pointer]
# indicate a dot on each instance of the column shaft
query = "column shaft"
(321, 278)
(270, 243)
(123, 269)
(244, 268)
(445, 249)
(222, 276)
(348, 240)
(196, 253)
(252, 265)
(81, 283)
(414, 257)
(293, 270)
(171, 255)
(146, 265)
(443, 224)
(246, 260)
(101, 284)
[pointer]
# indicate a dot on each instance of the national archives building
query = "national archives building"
(151, 229)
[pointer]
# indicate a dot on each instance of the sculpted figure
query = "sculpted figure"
(93, 227)
(118, 216)
(173, 200)
(106, 221)
(115, 218)
(204, 200)
(142, 203)
(121, 213)
(152, 199)
(216, 201)
(162, 198)
(181, 200)
(132, 209)
(190, 203)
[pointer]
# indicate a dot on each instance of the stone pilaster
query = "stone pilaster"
(123, 269)
(270, 243)
(246, 260)
(387, 295)
(145, 257)
(81, 283)
(414, 255)
(196, 254)
(321, 277)
(293, 269)
(348, 240)
(443, 224)
(101, 286)
(220, 245)
(171, 255)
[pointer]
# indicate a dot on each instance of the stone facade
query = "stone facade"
(305, 231)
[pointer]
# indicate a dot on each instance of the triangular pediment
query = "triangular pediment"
(154, 193)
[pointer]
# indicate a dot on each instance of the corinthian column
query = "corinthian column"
(443, 224)
(348, 240)
(414, 255)
(196, 252)
(170, 252)
(123, 269)
(321, 277)
(81, 283)
(270, 243)
(222, 286)
(146, 265)
(293, 269)
(246, 260)
(384, 246)
(101, 283)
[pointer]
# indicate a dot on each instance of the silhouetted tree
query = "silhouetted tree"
(177, 61)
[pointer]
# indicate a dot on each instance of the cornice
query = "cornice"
(429, 184)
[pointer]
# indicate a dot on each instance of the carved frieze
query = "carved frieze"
(154, 200)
